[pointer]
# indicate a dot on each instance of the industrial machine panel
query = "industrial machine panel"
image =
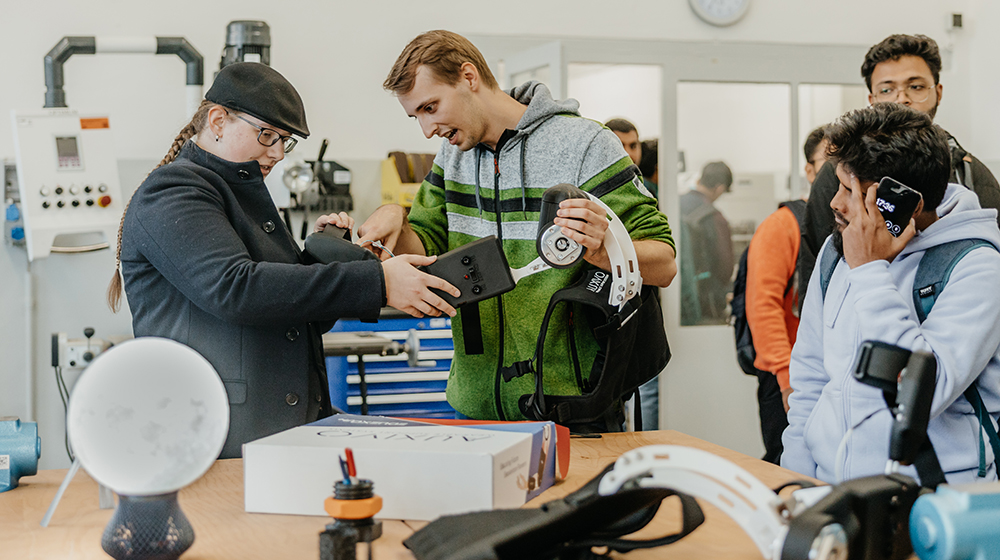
(67, 176)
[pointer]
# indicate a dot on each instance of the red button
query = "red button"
(104, 201)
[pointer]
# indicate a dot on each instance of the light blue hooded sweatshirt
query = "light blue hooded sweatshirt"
(874, 302)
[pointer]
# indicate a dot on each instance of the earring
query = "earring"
(216, 137)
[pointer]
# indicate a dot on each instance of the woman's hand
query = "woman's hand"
(408, 289)
(341, 220)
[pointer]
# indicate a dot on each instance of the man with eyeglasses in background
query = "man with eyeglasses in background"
(906, 69)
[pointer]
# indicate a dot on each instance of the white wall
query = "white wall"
(337, 54)
(628, 91)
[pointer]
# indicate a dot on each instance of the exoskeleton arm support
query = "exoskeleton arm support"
(626, 281)
(758, 510)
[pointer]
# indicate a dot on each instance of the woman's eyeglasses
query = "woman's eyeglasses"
(269, 137)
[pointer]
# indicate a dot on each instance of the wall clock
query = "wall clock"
(720, 12)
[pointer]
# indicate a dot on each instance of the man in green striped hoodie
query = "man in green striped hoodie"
(502, 150)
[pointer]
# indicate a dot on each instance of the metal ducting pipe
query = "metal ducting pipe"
(55, 96)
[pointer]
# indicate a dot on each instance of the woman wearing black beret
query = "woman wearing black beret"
(208, 262)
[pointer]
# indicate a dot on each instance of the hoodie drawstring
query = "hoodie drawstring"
(524, 199)
(479, 200)
(524, 190)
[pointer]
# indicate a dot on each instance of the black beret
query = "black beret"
(259, 90)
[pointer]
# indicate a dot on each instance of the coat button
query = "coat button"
(292, 399)
(243, 174)
(268, 226)
(319, 398)
(292, 334)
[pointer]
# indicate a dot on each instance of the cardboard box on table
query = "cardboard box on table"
(421, 469)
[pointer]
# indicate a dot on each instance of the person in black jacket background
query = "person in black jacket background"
(906, 69)
(207, 260)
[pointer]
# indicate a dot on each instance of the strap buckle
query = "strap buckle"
(517, 369)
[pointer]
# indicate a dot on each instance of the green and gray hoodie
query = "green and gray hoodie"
(457, 204)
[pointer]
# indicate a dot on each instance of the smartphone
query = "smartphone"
(896, 202)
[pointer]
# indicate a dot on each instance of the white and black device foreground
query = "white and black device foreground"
(556, 250)
(480, 269)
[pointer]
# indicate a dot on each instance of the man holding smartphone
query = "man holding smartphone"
(838, 427)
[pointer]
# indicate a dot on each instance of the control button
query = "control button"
(104, 201)
(44, 191)
(243, 174)
(292, 399)
(88, 189)
(292, 334)
(268, 226)
(90, 202)
(61, 203)
(102, 188)
(466, 260)
(73, 189)
(477, 289)
(75, 203)
(45, 204)
(59, 190)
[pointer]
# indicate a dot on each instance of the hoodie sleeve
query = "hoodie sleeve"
(607, 168)
(178, 224)
(807, 377)
(960, 330)
(428, 217)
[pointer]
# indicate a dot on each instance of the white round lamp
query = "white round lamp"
(298, 177)
(146, 419)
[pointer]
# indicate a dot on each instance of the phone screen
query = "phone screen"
(896, 202)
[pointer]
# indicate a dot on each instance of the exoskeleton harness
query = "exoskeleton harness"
(624, 317)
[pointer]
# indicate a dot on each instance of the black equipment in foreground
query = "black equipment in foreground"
(478, 269)
(565, 528)
(333, 244)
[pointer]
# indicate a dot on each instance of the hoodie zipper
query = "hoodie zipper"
(496, 210)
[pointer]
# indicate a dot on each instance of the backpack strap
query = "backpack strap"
(985, 424)
(968, 182)
(934, 271)
(798, 208)
(933, 274)
(827, 265)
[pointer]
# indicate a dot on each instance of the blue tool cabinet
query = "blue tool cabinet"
(394, 388)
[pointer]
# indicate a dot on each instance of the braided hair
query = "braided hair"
(198, 122)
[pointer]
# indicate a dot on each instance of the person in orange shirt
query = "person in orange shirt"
(772, 302)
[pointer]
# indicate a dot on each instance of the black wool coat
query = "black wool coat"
(208, 262)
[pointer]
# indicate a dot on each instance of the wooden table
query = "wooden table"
(214, 505)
